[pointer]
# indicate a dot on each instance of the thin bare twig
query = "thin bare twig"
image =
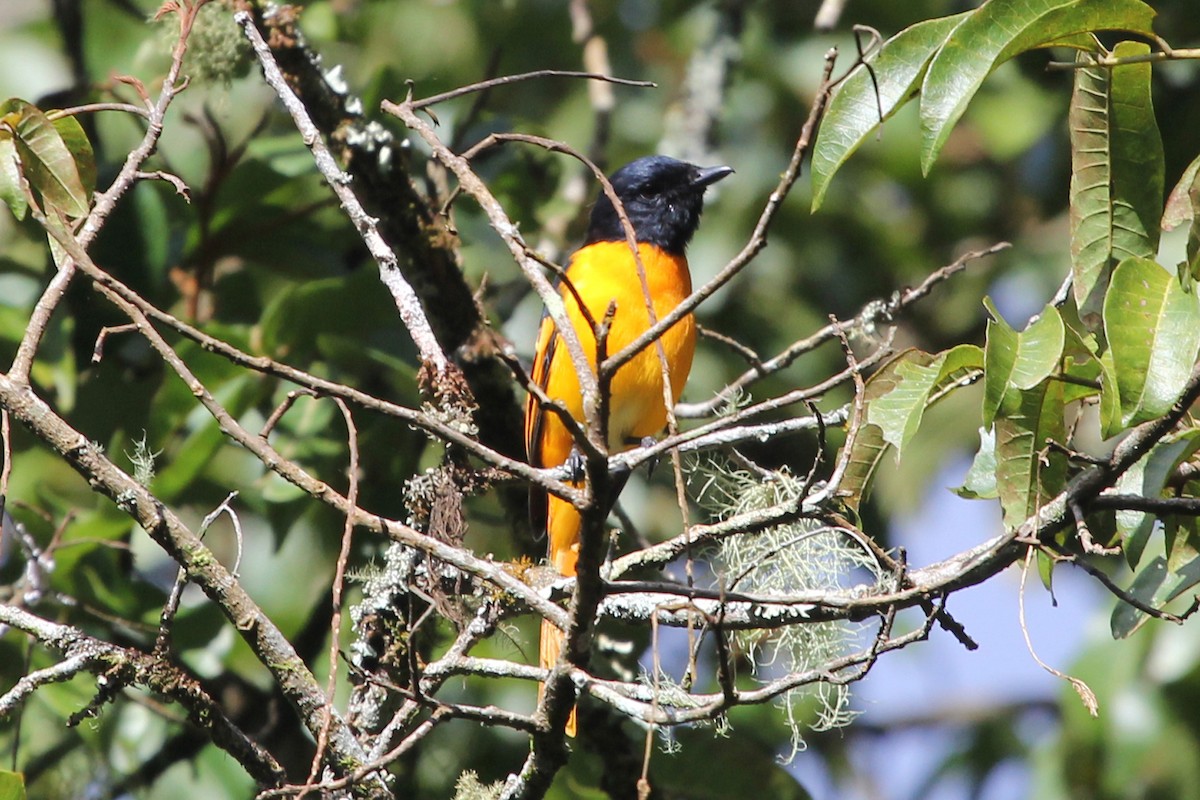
(873, 313)
(102, 337)
(1086, 695)
(1109, 61)
(64, 670)
(525, 76)
(90, 108)
(282, 409)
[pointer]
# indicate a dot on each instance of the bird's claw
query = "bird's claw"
(576, 465)
(652, 462)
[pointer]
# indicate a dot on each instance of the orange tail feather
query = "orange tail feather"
(563, 525)
(550, 649)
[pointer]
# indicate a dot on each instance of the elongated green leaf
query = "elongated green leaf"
(1156, 585)
(1147, 478)
(1081, 365)
(980, 482)
(80, 147)
(1110, 397)
(12, 785)
(1153, 330)
(865, 456)
(870, 445)
(1145, 587)
(1018, 361)
(994, 33)
(11, 191)
(898, 413)
(1116, 174)
(1182, 536)
(46, 159)
(203, 443)
(1183, 205)
(1028, 474)
(863, 102)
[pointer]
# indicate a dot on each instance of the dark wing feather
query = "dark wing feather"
(535, 417)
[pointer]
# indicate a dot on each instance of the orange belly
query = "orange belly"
(603, 273)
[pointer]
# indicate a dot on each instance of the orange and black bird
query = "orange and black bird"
(662, 198)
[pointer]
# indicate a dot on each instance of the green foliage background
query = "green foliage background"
(282, 273)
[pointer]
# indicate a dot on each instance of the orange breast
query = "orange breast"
(606, 272)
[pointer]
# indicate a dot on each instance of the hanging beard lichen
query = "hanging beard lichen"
(801, 556)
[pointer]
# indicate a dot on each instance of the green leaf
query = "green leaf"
(920, 379)
(1125, 618)
(1081, 363)
(1182, 535)
(45, 158)
(1045, 567)
(11, 190)
(1147, 478)
(1028, 473)
(1116, 174)
(12, 785)
(1188, 575)
(181, 469)
(1110, 397)
(1183, 205)
(980, 483)
(1153, 330)
(80, 147)
(867, 97)
(900, 414)
(994, 33)
(1149, 587)
(1019, 360)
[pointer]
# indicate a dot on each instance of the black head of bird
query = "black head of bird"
(662, 197)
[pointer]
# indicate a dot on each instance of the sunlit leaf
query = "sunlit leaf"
(980, 482)
(863, 101)
(11, 190)
(46, 159)
(1017, 361)
(1153, 330)
(1116, 174)
(994, 33)
(1183, 205)
(12, 785)
(1181, 534)
(1110, 397)
(920, 378)
(1028, 472)
(80, 147)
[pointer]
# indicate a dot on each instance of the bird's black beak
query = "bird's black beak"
(710, 175)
